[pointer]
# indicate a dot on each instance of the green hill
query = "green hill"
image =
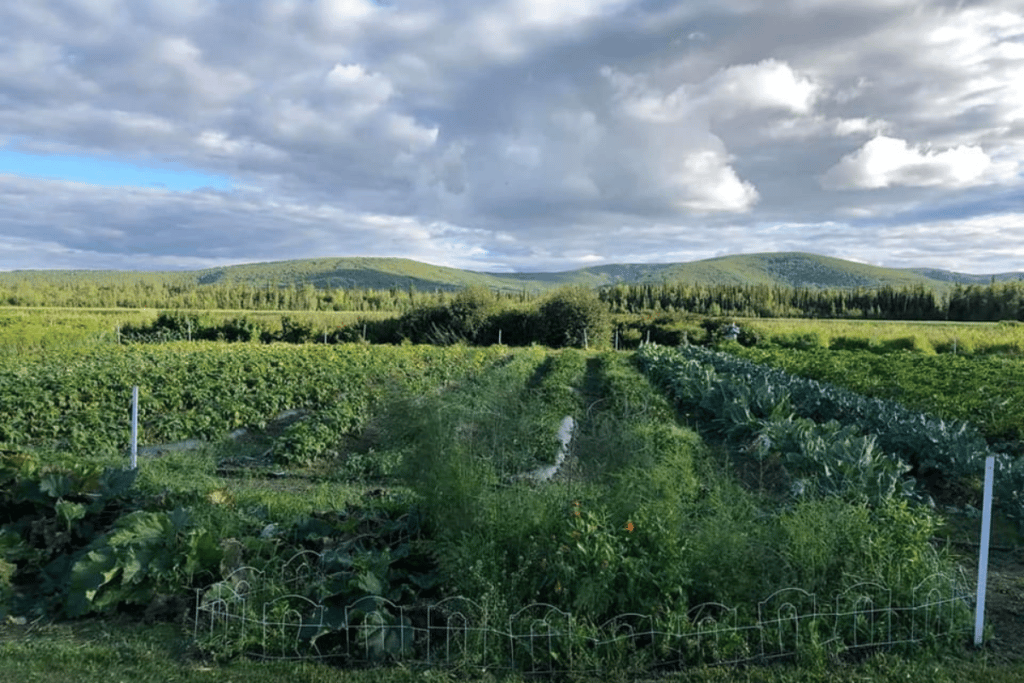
(787, 269)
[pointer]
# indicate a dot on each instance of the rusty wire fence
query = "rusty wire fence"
(271, 617)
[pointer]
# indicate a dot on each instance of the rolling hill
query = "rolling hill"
(786, 269)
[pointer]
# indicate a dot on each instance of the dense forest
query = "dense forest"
(233, 296)
(996, 301)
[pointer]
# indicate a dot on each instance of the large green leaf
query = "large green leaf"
(69, 512)
(88, 575)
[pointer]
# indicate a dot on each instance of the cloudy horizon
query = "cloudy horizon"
(512, 135)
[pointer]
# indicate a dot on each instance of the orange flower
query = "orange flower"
(629, 527)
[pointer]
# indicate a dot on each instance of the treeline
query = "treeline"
(234, 296)
(997, 301)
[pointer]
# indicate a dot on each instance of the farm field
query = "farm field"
(25, 330)
(985, 390)
(396, 478)
(957, 338)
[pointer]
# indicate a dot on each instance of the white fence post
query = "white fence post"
(986, 525)
(135, 427)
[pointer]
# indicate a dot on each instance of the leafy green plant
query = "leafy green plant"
(48, 516)
(144, 555)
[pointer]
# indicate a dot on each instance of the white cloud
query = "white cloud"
(360, 93)
(533, 131)
(859, 125)
(886, 161)
(342, 15)
(802, 127)
(769, 84)
(706, 182)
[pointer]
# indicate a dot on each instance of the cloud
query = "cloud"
(885, 162)
(516, 134)
(769, 84)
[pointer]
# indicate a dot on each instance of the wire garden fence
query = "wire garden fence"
(271, 617)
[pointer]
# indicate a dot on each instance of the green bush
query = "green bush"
(661, 473)
(467, 318)
(239, 330)
(295, 331)
(575, 317)
(517, 327)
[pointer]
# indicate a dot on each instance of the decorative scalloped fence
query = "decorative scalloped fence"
(266, 617)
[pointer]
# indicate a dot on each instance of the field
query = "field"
(955, 338)
(26, 331)
(299, 508)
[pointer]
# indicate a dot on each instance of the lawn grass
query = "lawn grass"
(122, 649)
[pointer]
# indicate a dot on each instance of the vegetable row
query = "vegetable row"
(825, 437)
(80, 401)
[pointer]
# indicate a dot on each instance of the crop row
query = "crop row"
(80, 402)
(637, 522)
(814, 426)
(987, 391)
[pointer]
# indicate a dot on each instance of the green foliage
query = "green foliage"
(512, 544)
(913, 343)
(484, 430)
(850, 343)
(144, 555)
(321, 434)
(518, 326)
(730, 542)
(640, 517)
(295, 331)
(660, 471)
(471, 312)
(830, 459)
(822, 540)
(333, 577)
(575, 317)
(467, 318)
(79, 401)
(48, 517)
(987, 391)
(799, 340)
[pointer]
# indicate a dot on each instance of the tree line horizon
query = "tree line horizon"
(969, 303)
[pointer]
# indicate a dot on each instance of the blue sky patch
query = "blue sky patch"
(108, 172)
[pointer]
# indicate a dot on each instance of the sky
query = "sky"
(510, 135)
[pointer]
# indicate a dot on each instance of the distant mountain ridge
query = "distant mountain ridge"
(786, 269)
